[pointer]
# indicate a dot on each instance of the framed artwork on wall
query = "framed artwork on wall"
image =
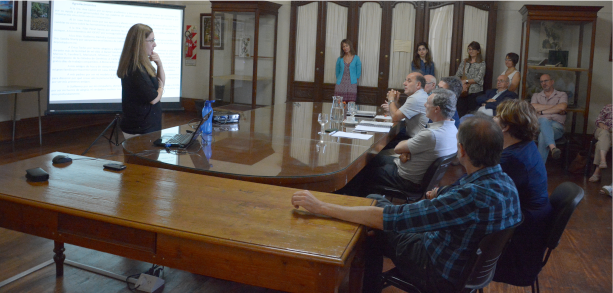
(35, 21)
(8, 15)
(206, 37)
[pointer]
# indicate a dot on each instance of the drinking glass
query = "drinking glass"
(351, 110)
(322, 119)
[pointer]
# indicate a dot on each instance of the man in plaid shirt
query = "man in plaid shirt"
(432, 240)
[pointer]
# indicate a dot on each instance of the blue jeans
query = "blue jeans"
(550, 131)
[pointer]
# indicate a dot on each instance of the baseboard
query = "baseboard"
(28, 127)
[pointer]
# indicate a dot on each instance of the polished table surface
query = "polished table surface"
(277, 145)
(235, 230)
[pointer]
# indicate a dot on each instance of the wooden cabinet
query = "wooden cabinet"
(317, 28)
(243, 61)
(559, 41)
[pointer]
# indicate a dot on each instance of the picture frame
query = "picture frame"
(205, 32)
(8, 15)
(35, 21)
(551, 36)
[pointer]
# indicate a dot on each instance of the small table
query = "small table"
(15, 89)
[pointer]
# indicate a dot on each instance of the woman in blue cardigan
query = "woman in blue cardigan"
(422, 60)
(348, 70)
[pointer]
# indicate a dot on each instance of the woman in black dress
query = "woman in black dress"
(142, 85)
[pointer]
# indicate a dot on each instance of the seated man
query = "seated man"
(550, 105)
(413, 108)
(430, 84)
(416, 154)
(432, 241)
(493, 97)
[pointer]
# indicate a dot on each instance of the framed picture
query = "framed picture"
(35, 21)
(8, 15)
(551, 37)
(206, 37)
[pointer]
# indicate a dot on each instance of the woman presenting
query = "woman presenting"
(422, 60)
(471, 71)
(348, 70)
(141, 85)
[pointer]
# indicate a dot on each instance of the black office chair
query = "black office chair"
(432, 177)
(564, 200)
(482, 269)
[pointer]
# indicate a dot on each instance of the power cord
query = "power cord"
(154, 270)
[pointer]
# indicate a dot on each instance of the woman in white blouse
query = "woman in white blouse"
(511, 72)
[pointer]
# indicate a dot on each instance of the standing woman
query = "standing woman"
(511, 72)
(348, 70)
(141, 85)
(422, 60)
(471, 71)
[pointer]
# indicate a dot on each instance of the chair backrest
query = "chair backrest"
(435, 172)
(564, 200)
(490, 249)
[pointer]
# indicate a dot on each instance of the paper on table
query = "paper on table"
(383, 117)
(372, 128)
(376, 123)
(352, 135)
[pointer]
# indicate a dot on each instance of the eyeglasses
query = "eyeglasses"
(150, 41)
(546, 80)
(430, 82)
(500, 80)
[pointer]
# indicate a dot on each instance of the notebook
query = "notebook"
(181, 140)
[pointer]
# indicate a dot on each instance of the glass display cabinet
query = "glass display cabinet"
(243, 55)
(559, 41)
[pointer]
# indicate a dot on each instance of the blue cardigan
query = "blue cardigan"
(355, 69)
(425, 69)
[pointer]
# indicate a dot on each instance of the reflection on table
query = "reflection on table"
(278, 145)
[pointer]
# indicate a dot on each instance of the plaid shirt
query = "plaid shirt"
(455, 222)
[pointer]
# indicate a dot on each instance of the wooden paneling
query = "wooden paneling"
(298, 91)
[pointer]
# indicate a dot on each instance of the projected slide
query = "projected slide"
(85, 43)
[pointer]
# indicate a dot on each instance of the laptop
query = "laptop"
(181, 140)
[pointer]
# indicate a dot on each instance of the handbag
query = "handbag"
(465, 86)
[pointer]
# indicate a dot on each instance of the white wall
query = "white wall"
(508, 39)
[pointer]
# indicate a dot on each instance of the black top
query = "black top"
(138, 89)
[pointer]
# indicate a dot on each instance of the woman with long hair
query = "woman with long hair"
(511, 72)
(471, 71)
(348, 70)
(141, 85)
(521, 261)
(422, 60)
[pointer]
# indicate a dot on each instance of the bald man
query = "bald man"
(550, 106)
(430, 84)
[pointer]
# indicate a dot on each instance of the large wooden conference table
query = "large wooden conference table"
(234, 230)
(278, 145)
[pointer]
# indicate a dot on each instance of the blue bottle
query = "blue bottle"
(207, 126)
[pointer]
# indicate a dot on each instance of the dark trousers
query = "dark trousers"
(381, 170)
(468, 104)
(408, 253)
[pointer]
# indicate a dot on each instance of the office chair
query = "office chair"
(431, 178)
(481, 270)
(564, 200)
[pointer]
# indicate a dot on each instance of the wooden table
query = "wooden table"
(228, 229)
(277, 145)
(16, 89)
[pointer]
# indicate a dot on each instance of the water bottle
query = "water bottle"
(207, 126)
(337, 113)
